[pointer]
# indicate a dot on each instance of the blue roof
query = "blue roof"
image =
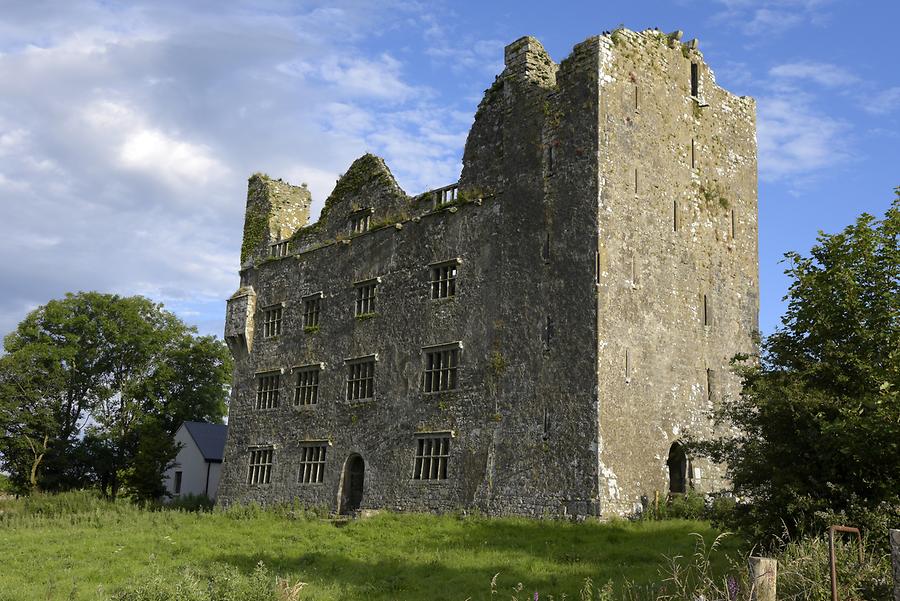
(210, 439)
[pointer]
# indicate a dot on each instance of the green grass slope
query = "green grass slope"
(78, 547)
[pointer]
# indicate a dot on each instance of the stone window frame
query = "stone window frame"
(267, 396)
(306, 393)
(446, 371)
(313, 455)
(359, 221)
(442, 278)
(272, 320)
(260, 465)
(445, 196)
(281, 248)
(360, 382)
(365, 295)
(312, 309)
(431, 463)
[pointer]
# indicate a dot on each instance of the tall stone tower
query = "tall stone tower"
(535, 339)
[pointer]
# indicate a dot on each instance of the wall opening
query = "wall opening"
(675, 216)
(693, 154)
(678, 469)
(705, 311)
(352, 485)
(709, 388)
(695, 80)
(733, 228)
(627, 366)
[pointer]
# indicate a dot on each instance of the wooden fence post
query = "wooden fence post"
(763, 576)
(895, 560)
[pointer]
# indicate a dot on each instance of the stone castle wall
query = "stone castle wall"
(545, 230)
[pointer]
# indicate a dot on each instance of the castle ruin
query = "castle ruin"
(535, 339)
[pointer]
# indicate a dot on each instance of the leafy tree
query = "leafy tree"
(87, 378)
(814, 437)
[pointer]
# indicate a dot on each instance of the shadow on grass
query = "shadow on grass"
(388, 557)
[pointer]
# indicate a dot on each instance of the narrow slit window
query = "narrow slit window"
(705, 311)
(733, 227)
(441, 369)
(635, 180)
(306, 391)
(432, 457)
(675, 223)
(634, 271)
(261, 461)
(693, 154)
(267, 391)
(551, 158)
(709, 388)
(636, 97)
(695, 80)
(361, 379)
(627, 366)
(312, 463)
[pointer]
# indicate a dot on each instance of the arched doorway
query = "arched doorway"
(678, 468)
(352, 484)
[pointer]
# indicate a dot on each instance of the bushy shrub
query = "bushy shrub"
(804, 572)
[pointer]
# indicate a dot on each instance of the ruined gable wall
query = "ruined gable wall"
(652, 278)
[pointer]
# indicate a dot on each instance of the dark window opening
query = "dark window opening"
(260, 466)
(441, 369)
(432, 456)
(306, 391)
(312, 464)
(695, 80)
(365, 298)
(733, 228)
(272, 321)
(443, 280)
(178, 483)
(267, 391)
(693, 154)
(706, 316)
(312, 306)
(551, 157)
(709, 388)
(675, 223)
(627, 366)
(678, 469)
(361, 380)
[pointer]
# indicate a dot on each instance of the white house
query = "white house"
(199, 462)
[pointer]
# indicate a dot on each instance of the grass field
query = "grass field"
(78, 547)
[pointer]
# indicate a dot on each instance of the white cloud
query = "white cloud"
(796, 140)
(127, 134)
(884, 102)
(772, 17)
(824, 74)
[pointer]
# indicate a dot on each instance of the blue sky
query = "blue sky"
(128, 130)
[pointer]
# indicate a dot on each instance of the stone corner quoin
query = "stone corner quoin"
(534, 339)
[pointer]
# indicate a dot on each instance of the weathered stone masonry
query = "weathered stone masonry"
(540, 335)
